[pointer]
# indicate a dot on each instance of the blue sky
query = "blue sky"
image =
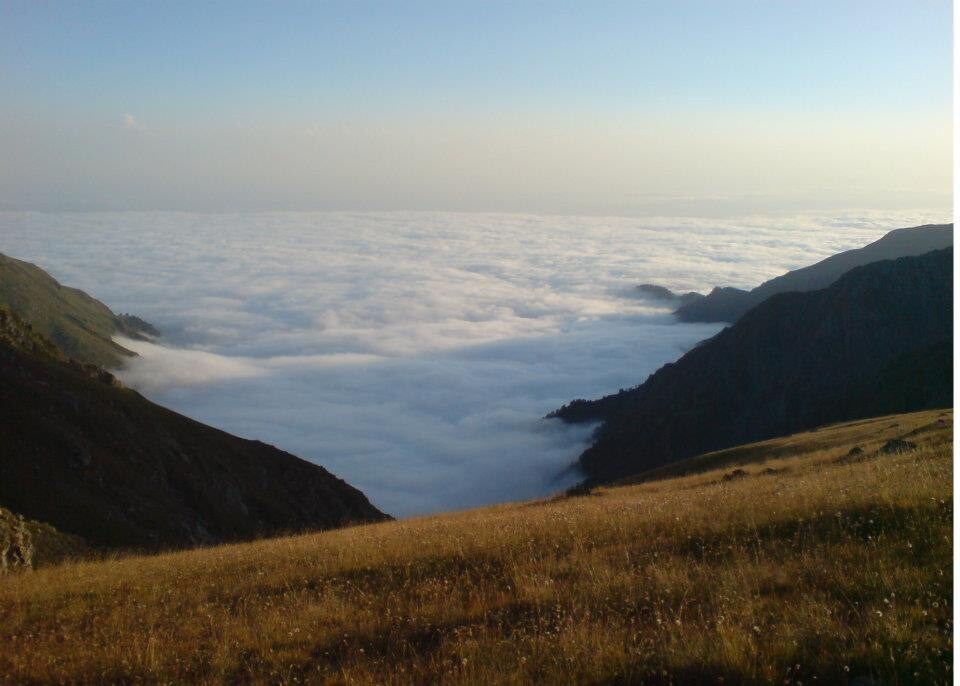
(566, 107)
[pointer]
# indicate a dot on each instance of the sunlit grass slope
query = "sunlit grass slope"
(80, 325)
(812, 566)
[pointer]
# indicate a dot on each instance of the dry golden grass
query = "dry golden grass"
(825, 569)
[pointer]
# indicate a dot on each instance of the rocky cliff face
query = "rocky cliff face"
(878, 340)
(99, 461)
(25, 544)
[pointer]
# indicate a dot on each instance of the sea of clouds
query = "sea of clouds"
(413, 354)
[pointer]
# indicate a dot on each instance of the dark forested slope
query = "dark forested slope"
(879, 340)
(91, 458)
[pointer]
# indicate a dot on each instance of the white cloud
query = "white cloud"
(160, 368)
(413, 354)
(131, 122)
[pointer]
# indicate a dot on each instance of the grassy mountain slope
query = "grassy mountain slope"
(79, 324)
(96, 460)
(878, 340)
(729, 304)
(812, 567)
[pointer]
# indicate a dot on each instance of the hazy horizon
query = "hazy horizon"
(623, 109)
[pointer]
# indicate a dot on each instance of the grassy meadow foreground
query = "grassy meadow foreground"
(795, 560)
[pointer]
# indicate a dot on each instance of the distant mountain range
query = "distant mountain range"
(93, 459)
(728, 304)
(878, 340)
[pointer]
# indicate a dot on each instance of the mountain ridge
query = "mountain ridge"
(79, 324)
(101, 462)
(878, 340)
(95, 460)
(728, 304)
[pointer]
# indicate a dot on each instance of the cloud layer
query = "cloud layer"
(413, 354)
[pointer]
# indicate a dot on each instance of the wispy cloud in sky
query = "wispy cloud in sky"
(130, 122)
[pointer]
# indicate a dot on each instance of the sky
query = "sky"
(679, 107)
